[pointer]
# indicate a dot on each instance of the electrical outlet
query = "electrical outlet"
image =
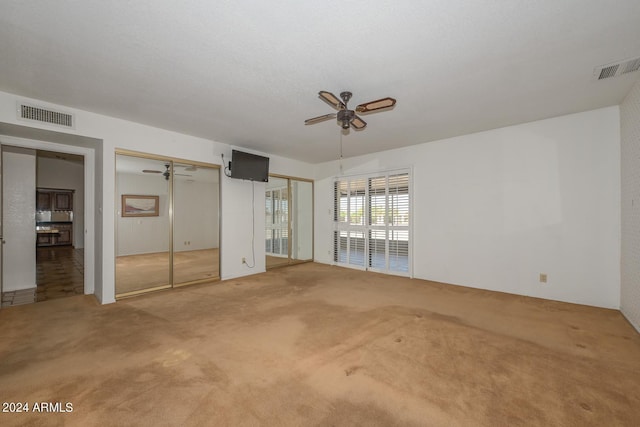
(543, 278)
(244, 260)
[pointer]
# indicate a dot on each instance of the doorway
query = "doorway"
(288, 221)
(59, 225)
(167, 225)
(19, 276)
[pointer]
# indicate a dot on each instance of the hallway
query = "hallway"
(59, 273)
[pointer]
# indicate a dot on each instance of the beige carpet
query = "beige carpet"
(320, 345)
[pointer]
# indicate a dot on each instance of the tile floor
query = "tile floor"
(59, 273)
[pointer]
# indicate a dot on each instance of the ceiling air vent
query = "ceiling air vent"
(31, 112)
(616, 69)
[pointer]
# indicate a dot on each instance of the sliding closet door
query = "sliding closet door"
(195, 223)
(288, 221)
(142, 225)
(301, 220)
(277, 222)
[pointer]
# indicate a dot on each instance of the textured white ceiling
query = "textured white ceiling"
(247, 72)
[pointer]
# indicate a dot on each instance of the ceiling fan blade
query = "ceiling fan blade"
(358, 123)
(320, 119)
(332, 100)
(376, 105)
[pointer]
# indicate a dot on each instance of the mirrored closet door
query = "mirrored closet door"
(288, 221)
(195, 223)
(167, 226)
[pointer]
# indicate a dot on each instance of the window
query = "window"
(372, 222)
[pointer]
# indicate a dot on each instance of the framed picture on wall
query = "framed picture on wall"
(133, 205)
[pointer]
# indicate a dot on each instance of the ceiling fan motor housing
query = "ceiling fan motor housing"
(344, 117)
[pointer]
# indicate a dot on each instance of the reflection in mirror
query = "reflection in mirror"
(301, 220)
(142, 225)
(288, 221)
(277, 222)
(195, 223)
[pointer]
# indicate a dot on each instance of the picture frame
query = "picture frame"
(140, 206)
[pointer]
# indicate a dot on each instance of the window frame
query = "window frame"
(353, 239)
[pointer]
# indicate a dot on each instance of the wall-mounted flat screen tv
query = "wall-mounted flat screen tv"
(249, 166)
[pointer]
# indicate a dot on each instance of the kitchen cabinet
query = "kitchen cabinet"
(63, 201)
(64, 234)
(54, 234)
(43, 201)
(49, 199)
(44, 239)
(54, 217)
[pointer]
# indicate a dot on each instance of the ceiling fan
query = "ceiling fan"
(347, 118)
(166, 173)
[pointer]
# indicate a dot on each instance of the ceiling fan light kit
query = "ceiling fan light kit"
(348, 118)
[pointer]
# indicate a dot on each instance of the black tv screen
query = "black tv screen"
(249, 166)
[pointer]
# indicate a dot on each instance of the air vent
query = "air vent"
(616, 69)
(31, 112)
(631, 66)
(607, 72)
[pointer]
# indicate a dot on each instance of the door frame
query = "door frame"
(1, 228)
(291, 261)
(172, 161)
(89, 196)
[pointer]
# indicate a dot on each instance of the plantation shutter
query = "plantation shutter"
(371, 222)
(378, 244)
(398, 211)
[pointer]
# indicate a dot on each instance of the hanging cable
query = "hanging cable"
(226, 170)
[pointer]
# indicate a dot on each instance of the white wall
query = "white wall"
(238, 210)
(236, 235)
(18, 218)
(495, 209)
(630, 173)
(57, 173)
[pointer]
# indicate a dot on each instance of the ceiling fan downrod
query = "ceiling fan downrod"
(346, 96)
(345, 116)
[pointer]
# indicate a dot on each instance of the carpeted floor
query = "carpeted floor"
(318, 345)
